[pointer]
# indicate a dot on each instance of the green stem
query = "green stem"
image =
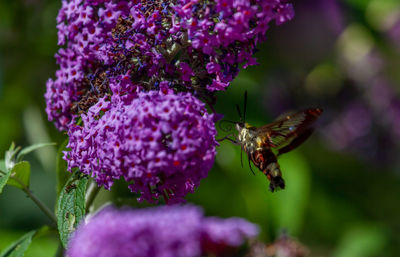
(91, 194)
(36, 200)
(40, 204)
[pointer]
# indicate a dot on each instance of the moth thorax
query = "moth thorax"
(243, 134)
(247, 139)
(239, 127)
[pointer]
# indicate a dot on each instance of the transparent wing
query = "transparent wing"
(283, 131)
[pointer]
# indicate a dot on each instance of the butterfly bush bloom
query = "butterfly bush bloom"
(162, 143)
(196, 45)
(177, 231)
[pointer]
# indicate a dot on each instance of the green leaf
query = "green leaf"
(20, 175)
(4, 175)
(32, 148)
(362, 240)
(18, 248)
(288, 206)
(3, 166)
(61, 168)
(71, 206)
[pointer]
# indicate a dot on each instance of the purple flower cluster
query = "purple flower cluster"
(196, 45)
(133, 72)
(83, 27)
(160, 142)
(225, 33)
(179, 231)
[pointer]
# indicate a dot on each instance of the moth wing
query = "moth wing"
(285, 114)
(283, 131)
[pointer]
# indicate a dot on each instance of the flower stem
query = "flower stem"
(91, 194)
(36, 200)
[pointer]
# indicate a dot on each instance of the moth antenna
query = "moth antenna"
(244, 106)
(227, 138)
(240, 114)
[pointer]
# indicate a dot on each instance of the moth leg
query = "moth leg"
(228, 138)
(248, 159)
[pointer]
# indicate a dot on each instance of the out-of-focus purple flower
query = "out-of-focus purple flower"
(174, 231)
(352, 124)
(162, 143)
(221, 236)
(394, 33)
(198, 46)
(333, 14)
(393, 116)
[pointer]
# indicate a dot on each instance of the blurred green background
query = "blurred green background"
(343, 184)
